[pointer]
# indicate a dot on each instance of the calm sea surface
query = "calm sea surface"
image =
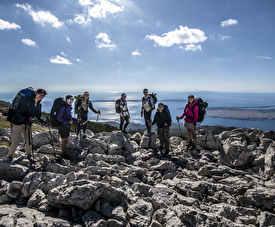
(176, 102)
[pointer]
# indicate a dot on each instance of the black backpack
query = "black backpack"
(117, 105)
(20, 96)
(154, 96)
(57, 104)
(77, 108)
(201, 106)
(169, 114)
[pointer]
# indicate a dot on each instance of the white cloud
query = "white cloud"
(77, 59)
(60, 60)
(192, 47)
(182, 35)
(103, 41)
(67, 38)
(224, 37)
(85, 2)
(8, 25)
(62, 53)
(229, 22)
(80, 19)
(41, 17)
(104, 7)
(29, 42)
(135, 53)
(264, 57)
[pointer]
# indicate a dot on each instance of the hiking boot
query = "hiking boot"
(189, 144)
(9, 158)
(64, 155)
(84, 137)
(31, 159)
(76, 138)
(193, 147)
(124, 131)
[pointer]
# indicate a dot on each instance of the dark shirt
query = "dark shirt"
(161, 118)
(89, 104)
(27, 109)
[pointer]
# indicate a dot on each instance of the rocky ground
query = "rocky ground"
(113, 179)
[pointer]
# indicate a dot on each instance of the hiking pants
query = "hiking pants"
(83, 120)
(16, 132)
(147, 118)
(126, 118)
(163, 134)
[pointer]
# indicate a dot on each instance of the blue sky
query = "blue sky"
(123, 45)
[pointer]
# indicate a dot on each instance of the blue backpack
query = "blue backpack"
(15, 105)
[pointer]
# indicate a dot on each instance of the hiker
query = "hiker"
(65, 116)
(147, 105)
(82, 106)
(124, 114)
(163, 120)
(27, 109)
(191, 117)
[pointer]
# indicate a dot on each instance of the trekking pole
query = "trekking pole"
(52, 139)
(28, 129)
(97, 118)
(179, 127)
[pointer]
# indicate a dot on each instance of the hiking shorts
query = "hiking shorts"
(64, 131)
(189, 125)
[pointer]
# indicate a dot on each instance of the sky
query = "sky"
(127, 45)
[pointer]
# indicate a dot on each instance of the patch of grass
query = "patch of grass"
(4, 123)
(3, 143)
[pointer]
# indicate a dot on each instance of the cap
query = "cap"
(41, 91)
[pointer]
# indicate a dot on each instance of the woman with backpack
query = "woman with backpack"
(81, 108)
(124, 114)
(190, 113)
(66, 118)
(163, 120)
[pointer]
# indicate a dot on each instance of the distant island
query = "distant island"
(242, 113)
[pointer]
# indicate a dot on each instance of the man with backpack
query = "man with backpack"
(28, 106)
(147, 106)
(163, 120)
(124, 113)
(82, 104)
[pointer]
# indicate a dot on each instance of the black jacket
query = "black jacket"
(27, 109)
(161, 119)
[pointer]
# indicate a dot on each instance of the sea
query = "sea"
(176, 101)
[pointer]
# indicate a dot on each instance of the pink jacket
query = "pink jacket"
(188, 112)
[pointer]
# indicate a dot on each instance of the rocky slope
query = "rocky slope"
(114, 179)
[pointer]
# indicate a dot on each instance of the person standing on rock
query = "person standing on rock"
(65, 116)
(190, 113)
(82, 106)
(28, 108)
(147, 106)
(163, 121)
(124, 114)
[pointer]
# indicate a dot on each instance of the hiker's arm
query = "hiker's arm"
(60, 114)
(92, 108)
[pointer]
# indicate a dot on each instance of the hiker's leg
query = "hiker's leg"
(193, 131)
(84, 125)
(166, 139)
(146, 119)
(63, 145)
(15, 137)
(78, 128)
(127, 122)
(121, 123)
(161, 137)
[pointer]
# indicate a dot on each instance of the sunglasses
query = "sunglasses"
(70, 100)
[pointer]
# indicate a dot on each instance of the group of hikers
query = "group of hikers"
(27, 105)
